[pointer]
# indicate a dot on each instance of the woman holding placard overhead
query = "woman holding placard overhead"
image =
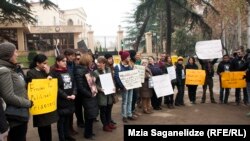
(191, 88)
(105, 100)
(39, 69)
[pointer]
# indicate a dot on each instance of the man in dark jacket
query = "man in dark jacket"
(224, 66)
(208, 66)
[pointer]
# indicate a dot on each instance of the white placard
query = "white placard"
(171, 72)
(208, 49)
(162, 85)
(130, 79)
(107, 83)
(141, 70)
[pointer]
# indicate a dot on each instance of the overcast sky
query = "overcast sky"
(103, 15)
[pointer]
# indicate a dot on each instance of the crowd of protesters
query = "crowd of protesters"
(76, 96)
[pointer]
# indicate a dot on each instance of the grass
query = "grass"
(25, 62)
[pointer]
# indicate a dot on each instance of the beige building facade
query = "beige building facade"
(54, 27)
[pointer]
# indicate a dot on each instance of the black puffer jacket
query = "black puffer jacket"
(90, 103)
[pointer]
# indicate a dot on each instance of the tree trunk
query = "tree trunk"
(141, 33)
(239, 27)
(248, 26)
(169, 27)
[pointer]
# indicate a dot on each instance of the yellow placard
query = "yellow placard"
(43, 93)
(233, 79)
(174, 59)
(195, 77)
(117, 59)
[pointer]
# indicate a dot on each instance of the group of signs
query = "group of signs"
(43, 92)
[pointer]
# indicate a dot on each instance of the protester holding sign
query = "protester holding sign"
(105, 102)
(14, 93)
(65, 98)
(224, 66)
(180, 82)
(191, 88)
(237, 64)
(156, 70)
(40, 69)
(144, 91)
(208, 66)
(89, 99)
(127, 95)
(169, 99)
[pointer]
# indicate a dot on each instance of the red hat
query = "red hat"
(124, 55)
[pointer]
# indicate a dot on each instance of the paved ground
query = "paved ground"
(190, 114)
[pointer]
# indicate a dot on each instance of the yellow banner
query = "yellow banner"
(233, 79)
(43, 93)
(195, 77)
(117, 59)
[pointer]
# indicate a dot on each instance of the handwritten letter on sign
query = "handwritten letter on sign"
(209, 49)
(130, 79)
(233, 79)
(162, 85)
(43, 93)
(107, 83)
(141, 70)
(195, 77)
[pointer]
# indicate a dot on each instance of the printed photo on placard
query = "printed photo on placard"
(91, 83)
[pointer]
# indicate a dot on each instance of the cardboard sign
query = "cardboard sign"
(141, 70)
(107, 83)
(195, 77)
(162, 85)
(130, 79)
(43, 93)
(171, 72)
(208, 49)
(233, 79)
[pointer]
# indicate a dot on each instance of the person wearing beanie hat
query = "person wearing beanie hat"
(124, 55)
(180, 58)
(127, 95)
(7, 51)
(14, 93)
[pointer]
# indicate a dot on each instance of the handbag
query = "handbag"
(17, 113)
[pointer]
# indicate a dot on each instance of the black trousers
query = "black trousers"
(63, 127)
(105, 114)
(88, 127)
(79, 109)
(18, 133)
(179, 99)
(238, 97)
(192, 92)
(45, 133)
(156, 102)
(135, 97)
(210, 83)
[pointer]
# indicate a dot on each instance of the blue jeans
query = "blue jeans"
(127, 103)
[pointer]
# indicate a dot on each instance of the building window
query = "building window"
(70, 22)
(36, 17)
(54, 20)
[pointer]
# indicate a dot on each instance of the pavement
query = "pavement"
(194, 114)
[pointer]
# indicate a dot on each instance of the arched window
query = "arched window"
(70, 22)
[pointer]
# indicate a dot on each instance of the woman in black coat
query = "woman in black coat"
(39, 69)
(87, 92)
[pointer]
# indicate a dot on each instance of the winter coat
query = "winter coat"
(42, 119)
(13, 90)
(205, 66)
(103, 100)
(120, 68)
(65, 88)
(89, 102)
(145, 91)
(3, 122)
